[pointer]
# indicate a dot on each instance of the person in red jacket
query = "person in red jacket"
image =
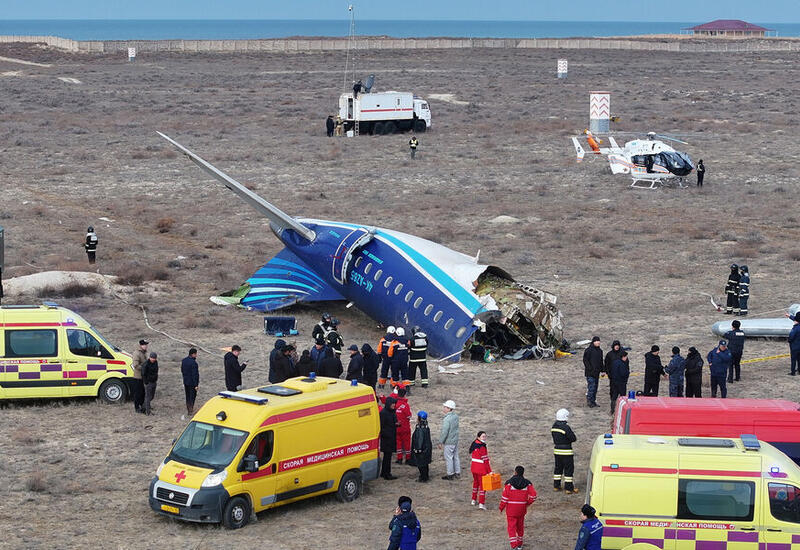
(480, 467)
(403, 411)
(518, 494)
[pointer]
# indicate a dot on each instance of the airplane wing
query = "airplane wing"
(283, 281)
(275, 215)
(578, 149)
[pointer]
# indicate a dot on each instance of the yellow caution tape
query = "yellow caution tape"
(781, 356)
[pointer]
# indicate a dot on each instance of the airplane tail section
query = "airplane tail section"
(277, 216)
(283, 281)
(578, 149)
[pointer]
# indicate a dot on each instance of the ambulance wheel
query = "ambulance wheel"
(113, 391)
(640, 546)
(349, 487)
(389, 128)
(377, 130)
(236, 513)
(420, 126)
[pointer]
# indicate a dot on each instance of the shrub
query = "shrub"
(36, 483)
(165, 224)
(71, 290)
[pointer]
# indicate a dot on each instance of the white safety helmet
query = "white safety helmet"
(390, 330)
(400, 331)
(562, 415)
(450, 404)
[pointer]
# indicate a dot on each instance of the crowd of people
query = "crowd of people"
(682, 373)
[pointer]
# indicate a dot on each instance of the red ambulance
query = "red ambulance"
(773, 420)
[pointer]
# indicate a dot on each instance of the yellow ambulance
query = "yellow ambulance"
(50, 351)
(694, 493)
(255, 449)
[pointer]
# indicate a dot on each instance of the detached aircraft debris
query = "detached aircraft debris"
(778, 327)
(646, 160)
(395, 278)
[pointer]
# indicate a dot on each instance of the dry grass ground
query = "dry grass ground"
(626, 264)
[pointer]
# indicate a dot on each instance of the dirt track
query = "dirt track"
(626, 264)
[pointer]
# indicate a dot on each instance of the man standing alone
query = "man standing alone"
(191, 379)
(91, 244)
(701, 172)
(592, 366)
(233, 369)
(413, 143)
(448, 440)
(518, 495)
(794, 343)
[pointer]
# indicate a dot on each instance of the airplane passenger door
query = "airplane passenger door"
(344, 253)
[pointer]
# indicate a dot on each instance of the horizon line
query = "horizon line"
(383, 20)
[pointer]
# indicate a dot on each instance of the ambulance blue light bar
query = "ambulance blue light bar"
(239, 396)
(750, 442)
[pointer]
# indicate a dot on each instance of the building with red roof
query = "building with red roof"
(728, 27)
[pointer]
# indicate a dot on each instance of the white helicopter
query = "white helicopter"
(649, 161)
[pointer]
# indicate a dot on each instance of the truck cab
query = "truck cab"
(422, 111)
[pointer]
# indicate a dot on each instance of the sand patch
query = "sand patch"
(57, 280)
(23, 62)
(11, 73)
(448, 98)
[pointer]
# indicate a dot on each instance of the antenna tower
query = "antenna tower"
(351, 51)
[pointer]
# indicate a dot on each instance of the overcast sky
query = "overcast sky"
(769, 11)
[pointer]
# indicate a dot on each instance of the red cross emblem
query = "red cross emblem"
(180, 476)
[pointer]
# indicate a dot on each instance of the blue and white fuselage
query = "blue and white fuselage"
(395, 278)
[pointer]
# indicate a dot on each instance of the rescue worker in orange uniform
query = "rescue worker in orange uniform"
(383, 351)
(518, 494)
(480, 467)
(403, 412)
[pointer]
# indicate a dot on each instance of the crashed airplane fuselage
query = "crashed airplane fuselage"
(395, 278)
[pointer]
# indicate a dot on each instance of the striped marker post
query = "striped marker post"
(599, 112)
(562, 68)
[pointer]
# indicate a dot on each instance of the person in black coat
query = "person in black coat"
(694, 373)
(620, 372)
(305, 365)
(149, 379)
(653, 371)
(355, 369)
(388, 438)
(273, 355)
(191, 379)
(613, 354)
(592, 367)
(371, 363)
(330, 365)
(233, 369)
(421, 447)
(284, 369)
(329, 124)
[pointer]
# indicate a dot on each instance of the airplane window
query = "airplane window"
(409, 295)
(387, 282)
(437, 316)
(398, 288)
(460, 332)
(378, 274)
(418, 302)
(448, 324)
(358, 261)
(368, 268)
(428, 309)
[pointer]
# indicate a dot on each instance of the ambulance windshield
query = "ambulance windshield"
(207, 445)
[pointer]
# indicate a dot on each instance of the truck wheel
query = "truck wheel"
(420, 126)
(113, 391)
(377, 130)
(349, 487)
(236, 513)
(389, 128)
